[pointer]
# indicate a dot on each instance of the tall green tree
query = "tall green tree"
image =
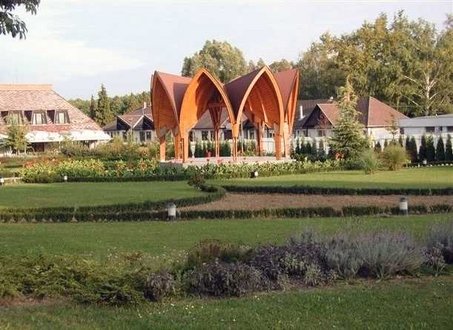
(423, 147)
(440, 150)
(103, 114)
(281, 65)
(16, 135)
(430, 149)
(220, 58)
(320, 74)
(11, 23)
(348, 138)
(93, 107)
(448, 149)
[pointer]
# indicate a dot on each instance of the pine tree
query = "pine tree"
(103, 112)
(93, 107)
(321, 151)
(448, 149)
(440, 150)
(348, 138)
(378, 147)
(412, 150)
(430, 150)
(314, 151)
(422, 152)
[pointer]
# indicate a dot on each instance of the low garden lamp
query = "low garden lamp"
(2, 181)
(403, 206)
(171, 211)
(65, 178)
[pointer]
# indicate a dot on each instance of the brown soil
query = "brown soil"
(273, 201)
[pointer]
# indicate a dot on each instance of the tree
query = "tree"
(348, 138)
(11, 23)
(281, 65)
(411, 149)
(440, 150)
(219, 58)
(422, 151)
(320, 74)
(448, 149)
(430, 150)
(93, 107)
(103, 114)
(16, 135)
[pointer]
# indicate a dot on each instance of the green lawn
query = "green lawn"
(165, 239)
(424, 303)
(431, 177)
(87, 193)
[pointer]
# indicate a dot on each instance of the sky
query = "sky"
(77, 45)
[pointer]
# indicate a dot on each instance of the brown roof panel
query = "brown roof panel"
(237, 88)
(285, 81)
(381, 114)
(175, 87)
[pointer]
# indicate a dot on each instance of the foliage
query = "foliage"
(224, 279)
(448, 149)
(197, 180)
(211, 250)
(102, 113)
(223, 60)
(411, 149)
(159, 285)
(348, 139)
(441, 237)
(416, 78)
(430, 149)
(440, 150)
(369, 161)
(11, 23)
(394, 157)
(16, 136)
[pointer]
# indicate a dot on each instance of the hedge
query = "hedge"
(104, 214)
(309, 190)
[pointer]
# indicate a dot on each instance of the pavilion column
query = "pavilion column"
(177, 144)
(286, 142)
(217, 140)
(278, 143)
(259, 138)
(185, 146)
(235, 133)
(162, 148)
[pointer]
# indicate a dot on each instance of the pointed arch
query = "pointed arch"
(204, 93)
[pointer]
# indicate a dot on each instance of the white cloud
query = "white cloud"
(49, 55)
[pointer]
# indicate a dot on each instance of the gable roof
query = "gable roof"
(42, 97)
(372, 113)
(132, 119)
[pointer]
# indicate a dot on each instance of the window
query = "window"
(212, 135)
(252, 135)
(321, 132)
(429, 129)
(204, 135)
(142, 136)
(148, 136)
(401, 130)
(62, 117)
(449, 129)
(39, 118)
(14, 117)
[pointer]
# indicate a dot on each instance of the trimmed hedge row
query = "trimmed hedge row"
(106, 215)
(124, 212)
(309, 190)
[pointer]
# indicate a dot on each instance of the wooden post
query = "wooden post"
(185, 146)
(162, 148)
(259, 139)
(278, 144)
(216, 139)
(286, 138)
(177, 144)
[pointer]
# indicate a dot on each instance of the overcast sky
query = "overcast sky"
(78, 44)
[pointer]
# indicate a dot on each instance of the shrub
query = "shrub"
(394, 157)
(384, 254)
(369, 161)
(441, 236)
(159, 285)
(210, 250)
(221, 279)
(434, 259)
(342, 256)
(196, 180)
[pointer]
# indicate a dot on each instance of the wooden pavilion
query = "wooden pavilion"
(265, 98)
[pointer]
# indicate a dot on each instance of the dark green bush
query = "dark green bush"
(221, 279)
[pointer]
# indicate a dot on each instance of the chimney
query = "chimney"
(301, 112)
(144, 107)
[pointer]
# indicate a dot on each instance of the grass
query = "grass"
(166, 239)
(431, 177)
(80, 194)
(424, 303)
